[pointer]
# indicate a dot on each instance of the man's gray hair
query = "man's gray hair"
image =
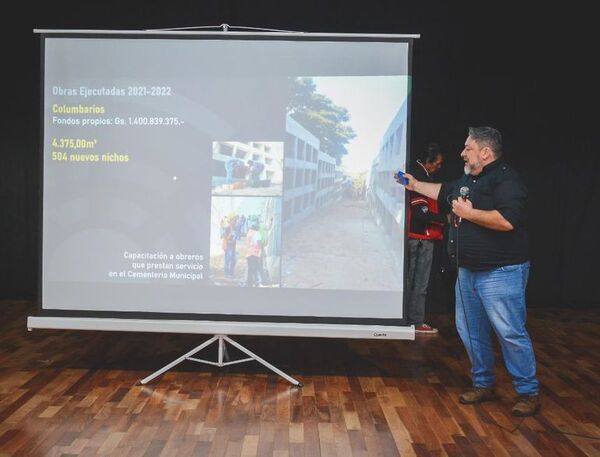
(487, 136)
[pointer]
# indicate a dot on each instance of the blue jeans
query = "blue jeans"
(230, 262)
(495, 300)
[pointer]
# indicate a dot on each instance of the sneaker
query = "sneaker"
(477, 395)
(424, 328)
(526, 405)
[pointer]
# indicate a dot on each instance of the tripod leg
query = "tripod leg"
(226, 357)
(264, 362)
(179, 360)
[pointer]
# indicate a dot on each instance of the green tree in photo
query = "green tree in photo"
(319, 115)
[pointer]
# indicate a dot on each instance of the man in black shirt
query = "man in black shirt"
(489, 244)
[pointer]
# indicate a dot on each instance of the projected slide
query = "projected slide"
(224, 177)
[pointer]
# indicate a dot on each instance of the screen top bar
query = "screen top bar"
(225, 33)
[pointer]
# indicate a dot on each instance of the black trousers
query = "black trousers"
(420, 257)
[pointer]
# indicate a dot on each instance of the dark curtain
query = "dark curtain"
(526, 72)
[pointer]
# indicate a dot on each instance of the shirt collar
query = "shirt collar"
(423, 167)
(489, 167)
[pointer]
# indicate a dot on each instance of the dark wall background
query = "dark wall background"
(525, 70)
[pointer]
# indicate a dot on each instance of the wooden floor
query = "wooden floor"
(66, 393)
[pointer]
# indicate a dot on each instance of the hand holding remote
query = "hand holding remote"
(400, 178)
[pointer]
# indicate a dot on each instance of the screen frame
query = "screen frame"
(80, 318)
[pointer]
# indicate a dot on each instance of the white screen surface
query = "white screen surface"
(224, 176)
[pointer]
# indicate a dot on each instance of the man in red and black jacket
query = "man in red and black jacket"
(425, 226)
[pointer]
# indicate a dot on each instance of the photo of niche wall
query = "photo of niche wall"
(343, 212)
(245, 241)
(253, 169)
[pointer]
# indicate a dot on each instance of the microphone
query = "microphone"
(464, 194)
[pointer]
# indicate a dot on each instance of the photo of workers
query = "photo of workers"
(245, 238)
(253, 169)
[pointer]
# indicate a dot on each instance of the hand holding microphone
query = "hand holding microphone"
(464, 193)
(461, 206)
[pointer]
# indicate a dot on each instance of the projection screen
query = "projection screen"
(201, 181)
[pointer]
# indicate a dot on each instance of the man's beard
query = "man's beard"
(468, 168)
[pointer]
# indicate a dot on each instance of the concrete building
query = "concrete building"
(384, 194)
(309, 174)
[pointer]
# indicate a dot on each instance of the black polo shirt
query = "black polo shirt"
(497, 187)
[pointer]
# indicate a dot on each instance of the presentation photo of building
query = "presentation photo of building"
(329, 226)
